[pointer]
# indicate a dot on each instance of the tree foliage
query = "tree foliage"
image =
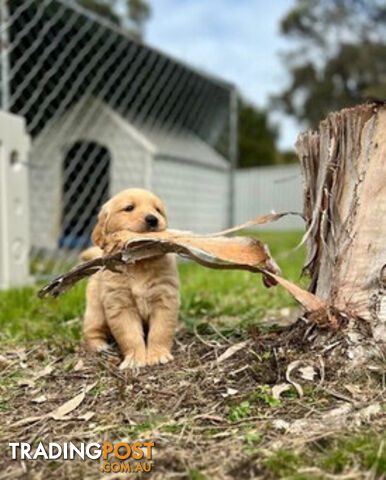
(137, 13)
(257, 138)
(102, 8)
(339, 57)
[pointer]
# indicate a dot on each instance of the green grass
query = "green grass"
(232, 301)
(196, 475)
(233, 298)
(25, 317)
(361, 452)
(240, 411)
(214, 293)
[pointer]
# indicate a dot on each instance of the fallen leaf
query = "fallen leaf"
(79, 365)
(296, 385)
(207, 416)
(86, 416)
(27, 420)
(368, 412)
(47, 370)
(280, 424)
(339, 411)
(40, 399)
(231, 351)
(30, 382)
(355, 390)
(376, 368)
(277, 390)
(229, 392)
(60, 412)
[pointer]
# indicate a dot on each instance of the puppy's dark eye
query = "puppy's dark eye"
(129, 208)
(158, 210)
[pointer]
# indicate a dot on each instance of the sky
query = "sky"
(237, 40)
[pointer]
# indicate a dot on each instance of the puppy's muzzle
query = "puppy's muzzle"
(151, 222)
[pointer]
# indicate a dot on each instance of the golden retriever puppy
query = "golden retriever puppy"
(139, 307)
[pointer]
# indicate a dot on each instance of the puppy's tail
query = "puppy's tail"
(90, 254)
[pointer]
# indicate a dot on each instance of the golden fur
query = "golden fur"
(144, 299)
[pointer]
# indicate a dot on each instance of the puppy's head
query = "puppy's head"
(135, 210)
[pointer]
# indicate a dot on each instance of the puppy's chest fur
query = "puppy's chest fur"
(144, 286)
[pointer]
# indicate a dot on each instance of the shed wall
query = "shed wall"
(128, 166)
(196, 196)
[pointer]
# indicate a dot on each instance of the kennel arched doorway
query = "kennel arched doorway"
(85, 188)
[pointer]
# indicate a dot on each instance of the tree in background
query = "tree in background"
(102, 8)
(257, 139)
(134, 18)
(139, 12)
(339, 58)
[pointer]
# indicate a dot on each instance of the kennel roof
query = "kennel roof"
(171, 145)
(61, 52)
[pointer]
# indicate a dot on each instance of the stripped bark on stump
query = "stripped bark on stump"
(344, 176)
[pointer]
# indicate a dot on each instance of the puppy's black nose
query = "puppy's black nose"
(151, 220)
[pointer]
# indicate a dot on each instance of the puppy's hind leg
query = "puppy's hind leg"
(95, 329)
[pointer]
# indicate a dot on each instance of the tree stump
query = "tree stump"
(344, 177)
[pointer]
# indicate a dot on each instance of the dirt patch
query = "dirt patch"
(220, 410)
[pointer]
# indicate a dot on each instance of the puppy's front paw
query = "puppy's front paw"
(156, 355)
(134, 359)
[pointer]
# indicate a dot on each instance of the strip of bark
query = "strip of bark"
(213, 251)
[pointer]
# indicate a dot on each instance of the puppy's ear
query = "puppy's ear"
(98, 234)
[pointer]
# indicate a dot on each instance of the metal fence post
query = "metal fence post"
(14, 207)
(4, 37)
(233, 151)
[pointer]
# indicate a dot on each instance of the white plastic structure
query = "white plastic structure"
(14, 198)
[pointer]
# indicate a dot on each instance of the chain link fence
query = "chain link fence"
(278, 188)
(105, 113)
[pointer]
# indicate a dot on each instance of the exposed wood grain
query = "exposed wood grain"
(344, 173)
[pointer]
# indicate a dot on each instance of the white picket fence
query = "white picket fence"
(263, 189)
